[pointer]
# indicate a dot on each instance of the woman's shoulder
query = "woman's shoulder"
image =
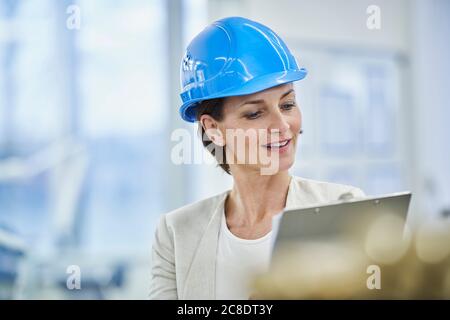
(324, 189)
(195, 213)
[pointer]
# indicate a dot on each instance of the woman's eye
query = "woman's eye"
(253, 115)
(288, 106)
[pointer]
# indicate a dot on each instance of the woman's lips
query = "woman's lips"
(280, 146)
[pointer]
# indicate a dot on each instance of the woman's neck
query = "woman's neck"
(256, 198)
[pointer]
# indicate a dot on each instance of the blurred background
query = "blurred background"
(89, 100)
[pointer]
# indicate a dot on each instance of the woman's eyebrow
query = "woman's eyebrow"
(252, 102)
(262, 101)
(286, 93)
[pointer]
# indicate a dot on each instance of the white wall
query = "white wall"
(325, 21)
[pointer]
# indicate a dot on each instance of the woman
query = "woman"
(237, 79)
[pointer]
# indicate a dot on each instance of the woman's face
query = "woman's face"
(260, 130)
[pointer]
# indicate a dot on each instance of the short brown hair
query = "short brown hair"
(214, 108)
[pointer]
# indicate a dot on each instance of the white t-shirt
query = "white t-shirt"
(238, 260)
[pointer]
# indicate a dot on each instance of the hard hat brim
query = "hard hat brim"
(187, 110)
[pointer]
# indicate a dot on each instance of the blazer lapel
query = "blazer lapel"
(294, 196)
(201, 278)
(297, 195)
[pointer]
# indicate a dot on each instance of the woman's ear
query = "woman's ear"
(211, 128)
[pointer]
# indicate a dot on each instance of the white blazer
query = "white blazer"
(185, 244)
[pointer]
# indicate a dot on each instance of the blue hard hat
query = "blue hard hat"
(231, 57)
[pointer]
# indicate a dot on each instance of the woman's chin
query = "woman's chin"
(286, 164)
(276, 166)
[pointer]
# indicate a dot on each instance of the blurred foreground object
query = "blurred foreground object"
(378, 260)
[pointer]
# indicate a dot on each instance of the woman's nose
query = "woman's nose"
(278, 123)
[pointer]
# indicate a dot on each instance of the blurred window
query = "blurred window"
(105, 86)
(351, 106)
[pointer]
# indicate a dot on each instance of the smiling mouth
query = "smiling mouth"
(277, 145)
